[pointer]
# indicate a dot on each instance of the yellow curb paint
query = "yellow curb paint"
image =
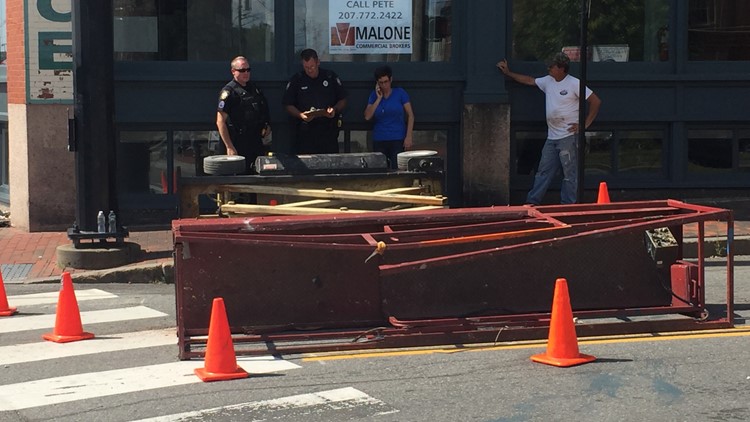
(691, 335)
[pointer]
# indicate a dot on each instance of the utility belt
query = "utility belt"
(245, 130)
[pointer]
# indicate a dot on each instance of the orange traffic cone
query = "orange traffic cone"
(603, 194)
(221, 362)
(5, 310)
(562, 345)
(68, 321)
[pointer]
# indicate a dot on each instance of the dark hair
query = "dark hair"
(308, 54)
(381, 71)
(562, 61)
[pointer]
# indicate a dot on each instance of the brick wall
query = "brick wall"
(16, 62)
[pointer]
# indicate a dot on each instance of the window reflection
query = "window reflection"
(142, 162)
(744, 150)
(616, 152)
(709, 151)
(640, 152)
(528, 150)
(193, 29)
(719, 30)
(433, 140)
(619, 30)
(598, 160)
(190, 147)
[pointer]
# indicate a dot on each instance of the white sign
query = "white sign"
(611, 53)
(370, 26)
(49, 51)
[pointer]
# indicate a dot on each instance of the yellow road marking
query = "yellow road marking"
(690, 335)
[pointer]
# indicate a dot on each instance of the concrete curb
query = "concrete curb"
(133, 274)
(716, 246)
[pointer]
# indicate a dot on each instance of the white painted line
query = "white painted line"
(119, 381)
(33, 352)
(36, 322)
(348, 394)
(51, 297)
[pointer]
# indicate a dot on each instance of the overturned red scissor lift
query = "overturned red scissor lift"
(296, 284)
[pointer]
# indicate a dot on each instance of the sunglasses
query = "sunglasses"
(245, 70)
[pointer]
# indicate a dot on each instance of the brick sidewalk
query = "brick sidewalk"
(33, 255)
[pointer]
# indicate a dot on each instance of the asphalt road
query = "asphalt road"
(704, 376)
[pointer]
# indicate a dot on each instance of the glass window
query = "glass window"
(351, 33)
(598, 159)
(640, 152)
(719, 30)
(528, 150)
(709, 151)
(4, 176)
(193, 30)
(744, 150)
(142, 162)
(190, 147)
(617, 152)
(432, 140)
(619, 30)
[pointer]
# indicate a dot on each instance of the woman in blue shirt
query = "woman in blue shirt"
(391, 111)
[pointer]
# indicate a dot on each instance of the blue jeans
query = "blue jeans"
(556, 154)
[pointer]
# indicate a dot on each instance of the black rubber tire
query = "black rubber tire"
(224, 164)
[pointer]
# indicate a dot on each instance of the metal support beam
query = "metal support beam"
(93, 143)
(585, 8)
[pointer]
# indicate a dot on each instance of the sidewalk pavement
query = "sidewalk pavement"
(31, 257)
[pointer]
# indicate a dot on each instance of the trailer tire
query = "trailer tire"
(224, 164)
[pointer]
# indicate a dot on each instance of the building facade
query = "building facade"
(673, 76)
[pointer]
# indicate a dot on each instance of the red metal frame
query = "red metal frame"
(325, 297)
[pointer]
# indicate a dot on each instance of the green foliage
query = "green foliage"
(542, 28)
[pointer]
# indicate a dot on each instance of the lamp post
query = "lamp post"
(585, 8)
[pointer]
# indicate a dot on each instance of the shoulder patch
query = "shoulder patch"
(224, 95)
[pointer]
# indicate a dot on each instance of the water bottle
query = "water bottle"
(112, 222)
(101, 225)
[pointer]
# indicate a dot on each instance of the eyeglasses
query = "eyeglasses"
(245, 70)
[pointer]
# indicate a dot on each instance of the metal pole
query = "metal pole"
(93, 123)
(582, 99)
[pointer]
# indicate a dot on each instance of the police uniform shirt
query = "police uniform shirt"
(246, 106)
(322, 92)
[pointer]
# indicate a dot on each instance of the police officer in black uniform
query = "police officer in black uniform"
(315, 99)
(242, 115)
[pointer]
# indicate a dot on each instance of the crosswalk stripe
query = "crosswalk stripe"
(70, 388)
(33, 352)
(332, 398)
(9, 325)
(51, 297)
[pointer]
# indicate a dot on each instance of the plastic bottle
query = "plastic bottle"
(101, 225)
(112, 222)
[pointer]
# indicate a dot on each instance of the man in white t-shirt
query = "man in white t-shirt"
(561, 147)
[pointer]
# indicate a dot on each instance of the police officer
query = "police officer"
(242, 116)
(315, 98)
